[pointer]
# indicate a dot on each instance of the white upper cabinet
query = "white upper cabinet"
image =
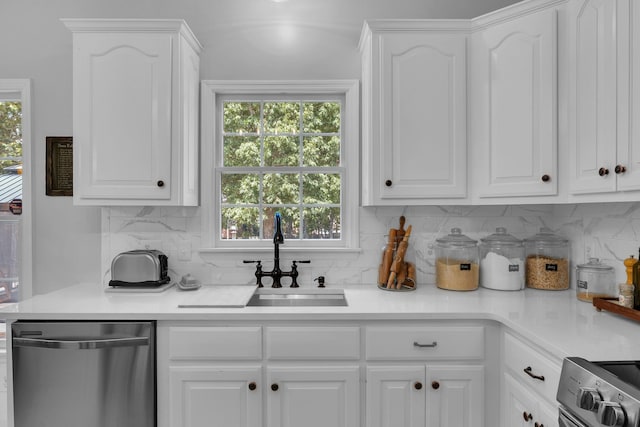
(135, 112)
(513, 76)
(593, 96)
(414, 112)
(604, 99)
(629, 152)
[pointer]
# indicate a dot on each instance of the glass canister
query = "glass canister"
(595, 280)
(547, 263)
(502, 261)
(457, 267)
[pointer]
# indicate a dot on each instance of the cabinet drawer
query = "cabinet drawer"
(337, 343)
(215, 343)
(519, 356)
(425, 343)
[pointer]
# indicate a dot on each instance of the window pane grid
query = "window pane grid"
(290, 151)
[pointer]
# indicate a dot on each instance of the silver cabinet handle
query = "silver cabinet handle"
(417, 344)
(71, 344)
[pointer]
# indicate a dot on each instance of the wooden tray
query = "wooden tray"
(610, 304)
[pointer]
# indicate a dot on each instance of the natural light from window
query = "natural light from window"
(281, 156)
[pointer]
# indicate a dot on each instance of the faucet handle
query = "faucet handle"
(258, 272)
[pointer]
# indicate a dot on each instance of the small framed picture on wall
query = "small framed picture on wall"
(59, 166)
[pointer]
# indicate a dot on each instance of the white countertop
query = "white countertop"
(555, 320)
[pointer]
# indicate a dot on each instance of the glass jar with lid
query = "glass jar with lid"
(595, 280)
(547, 263)
(457, 265)
(502, 261)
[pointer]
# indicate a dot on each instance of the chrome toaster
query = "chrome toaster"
(142, 267)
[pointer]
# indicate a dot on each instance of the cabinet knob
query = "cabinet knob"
(160, 183)
(435, 385)
(603, 171)
(252, 386)
(546, 178)
(537, 424)
(274, 387)
(388, 183)
(620, 169)
(418, 385)
(527, 416)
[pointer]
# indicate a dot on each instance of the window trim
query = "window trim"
(20, 89)
(211, 90)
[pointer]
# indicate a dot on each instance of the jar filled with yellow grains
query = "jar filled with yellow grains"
(547, 261)
(457, 267)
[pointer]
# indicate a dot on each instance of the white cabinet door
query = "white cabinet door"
(522, 407)
(547, 415)
(136, 86)
(414, 117)
(435, 396)
(396, 396)
(629, 148)
(313, 396)
(122, 132)
(204, 396)
(520, 404)
(593, 84)
(455, 396)
(515, 114)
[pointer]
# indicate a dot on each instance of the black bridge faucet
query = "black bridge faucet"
(276, 274)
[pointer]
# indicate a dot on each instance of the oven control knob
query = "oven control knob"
(588, 398)
(611, 414)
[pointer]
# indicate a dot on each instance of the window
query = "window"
(280, 147)
(15, 206)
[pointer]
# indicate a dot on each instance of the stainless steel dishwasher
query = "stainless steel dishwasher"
(84, 374)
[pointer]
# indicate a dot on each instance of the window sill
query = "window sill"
(283, 250)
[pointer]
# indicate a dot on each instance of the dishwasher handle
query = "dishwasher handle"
(83, 344)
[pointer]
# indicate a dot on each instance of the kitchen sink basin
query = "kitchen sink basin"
(287, 297)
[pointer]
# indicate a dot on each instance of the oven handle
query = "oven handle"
(71, 344)
(565, 419)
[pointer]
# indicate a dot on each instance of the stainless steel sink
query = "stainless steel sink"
(287, 297)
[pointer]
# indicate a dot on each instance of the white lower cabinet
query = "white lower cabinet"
(524, 408)
(529, 385)
(221, 376)
(425, 395)
(429, 376)
(203, 396)
(352, 374)
(396, 396)
(313, 396)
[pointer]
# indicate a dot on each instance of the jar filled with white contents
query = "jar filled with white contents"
(502, 261)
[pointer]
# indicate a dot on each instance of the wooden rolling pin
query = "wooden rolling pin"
(399, 260)
(387, 258)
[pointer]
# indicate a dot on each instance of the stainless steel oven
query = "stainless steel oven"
(89, 374)
(594, 394)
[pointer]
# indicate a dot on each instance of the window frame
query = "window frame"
(211, 115)
(20, 90)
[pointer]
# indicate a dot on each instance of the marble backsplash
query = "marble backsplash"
(609, 231)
